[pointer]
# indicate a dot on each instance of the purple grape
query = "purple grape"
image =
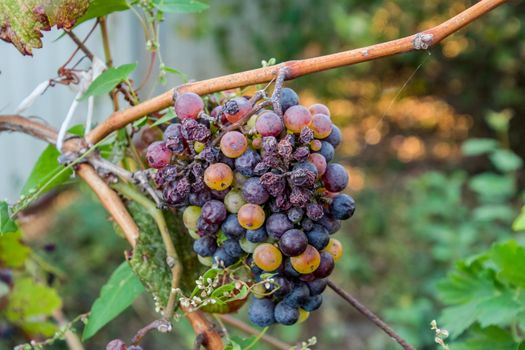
(253, 191)
(327, 150)
(289, 270)
(317, 286)
(247, 162)
(295, 215)
(116, 344)
(298, 295)
(205, 246)
(312, 303)
(219, 194)
(205, 228)
(199, 198)
(293, 242)
(269, 124)
(288, 99)
(335, 178)
(232, 228)
(335, 137)
(158, 155)
(214, 212)
(277, 224)
(174, 139)
(326, 266)
(261, 312)
(285, 314)
(284, 286)
(222, 258)
(331, 224)
(307, 224)
(232, 247)
(342, 207)
(257, 236)
(318, 237)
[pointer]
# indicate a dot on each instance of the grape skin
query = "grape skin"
(188, 105)
(233, 144)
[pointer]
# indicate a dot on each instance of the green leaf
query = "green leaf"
(22, 22)
(140, 122)
(490, 338)
(490, 186)
(108, 80)
(498, 311)
(6, 224)
(13, 253)
(47, 173)
(474, 147)
(519, 223)
(505, 160)
(99, 8)
(509, 258)
(170, 114)
(122, 288)
(31, 302)
(493, 212)
(238, 343)
(180, 6)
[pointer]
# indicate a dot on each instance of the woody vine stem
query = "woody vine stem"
(205, 331)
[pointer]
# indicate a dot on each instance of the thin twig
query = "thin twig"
(419, 41)
(276, 343)
(370, 315)
(81, 45)
(159, 325)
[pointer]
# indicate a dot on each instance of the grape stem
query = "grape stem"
(420, 41)
(276, 343)
(370, 315)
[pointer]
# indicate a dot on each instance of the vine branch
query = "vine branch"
(297, 68)
(370, 315)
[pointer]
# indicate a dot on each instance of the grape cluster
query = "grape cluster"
(264, 193)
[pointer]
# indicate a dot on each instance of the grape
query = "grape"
(307, 224)
(306, 166)
(257, 236)
(173, 138)
(306, 262)
(293, 242)
(226, 160)
(158, 155)
(295, 215)
(296, 118)
(327, 150)
(199, 198)
(233, 201)
(298, 295)
(277, 224)
(335, 178)
(303, 315)
(288, 99)
(342, 207)
(309, 277)
(198, 146)
(250, 124)
(319, 108)
(335, 136)
(204, 227)
(205, 246)
(254, 192)
(318, 237)
(232, 247)
(326, 266)
(332, 225)
(214, 212)
(317, 286)
(216, 113)
(321, 125)
(188, 105)
(251, 216)
(233, 144)
(315, 145)
(261, 312)
(221, 258)
(267, 257)
(289, 270)
(193, 234)
(236, 108)
(319, 161)
(247, 162)
(190, 216)
(269, 124)
(116, 344)
(335, 248)
(247, 246)
(257, 143)
(218, 176)
(313, 303)
(285, 314)
(231, 227)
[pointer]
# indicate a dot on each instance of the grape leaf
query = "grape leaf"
(490, 338)
(6, 224)
(22, 21)
(47, 173)
(13, 253)
(99, 8)
(506, 160)
(108, 80)
(475, 147)
(180, 6)
(509, 258)
(119, 292)
(30, 303)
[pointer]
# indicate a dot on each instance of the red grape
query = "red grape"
(296, 118)
(188, 105)
(233, 144)
(236, 108)
(319, 108)
(158, 155)
(269, 124)
(321, 125)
